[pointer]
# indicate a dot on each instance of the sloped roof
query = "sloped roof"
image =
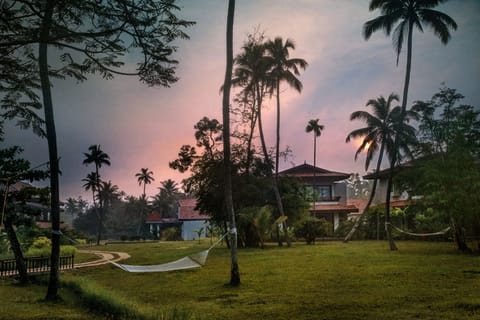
(187, 212)
(384, 173)
(335, 208)
(359, 203)
(155, 217)
(307, 170)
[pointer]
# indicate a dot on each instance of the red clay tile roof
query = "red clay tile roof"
(306, 170)
(359, 203)
(155, 217)
(186, 211)
(335, 208)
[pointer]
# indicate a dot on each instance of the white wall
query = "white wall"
(189, 227)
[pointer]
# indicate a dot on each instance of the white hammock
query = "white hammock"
(441, 232)
(195, 260)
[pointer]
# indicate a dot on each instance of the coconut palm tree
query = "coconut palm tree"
(402, 16)
(251, 74)
(145, 176)
(91, 182)
(316, 128)
(98, 158)
(283, 69)
(378, 136)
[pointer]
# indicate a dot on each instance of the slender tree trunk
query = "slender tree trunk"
(52, 292)
(17, 251)
(250, 136)
(234, 270)
(314, 168)
(388, 226)
(100, 209)
(278, 198)
(459, 237)
(277, 144)
(370, 199)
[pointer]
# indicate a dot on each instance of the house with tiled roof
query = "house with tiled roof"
(328, 191)
(191, 219)
(188, 220)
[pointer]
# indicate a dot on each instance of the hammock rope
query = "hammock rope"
(192, 261)
(438, 233)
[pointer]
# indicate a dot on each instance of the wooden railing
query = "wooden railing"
(35, 265)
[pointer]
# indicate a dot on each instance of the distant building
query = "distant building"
(191, 219)
(329, 190)
(188, 220)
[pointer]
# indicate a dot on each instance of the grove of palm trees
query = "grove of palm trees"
(231, 175)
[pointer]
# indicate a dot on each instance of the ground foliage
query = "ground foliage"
(328, 280)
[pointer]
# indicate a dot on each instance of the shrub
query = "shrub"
(171, 234)
(311, 227)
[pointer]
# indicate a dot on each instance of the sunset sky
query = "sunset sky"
(140, 126)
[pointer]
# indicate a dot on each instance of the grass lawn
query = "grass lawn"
(329, 280)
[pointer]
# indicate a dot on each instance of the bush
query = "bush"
(311, 227)
(41, 242)
(171, 234)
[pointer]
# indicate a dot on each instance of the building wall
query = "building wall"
(340, 189)
(189, 227)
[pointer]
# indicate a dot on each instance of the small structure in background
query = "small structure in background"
(327, 190)
(188, 221)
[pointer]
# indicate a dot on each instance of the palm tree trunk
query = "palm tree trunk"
(234, 270)
(17, 251)
(277, 144)
(370, 199)
(250, 137)
(314, 167)
(52, 292)
(388, 226)
(278, 198)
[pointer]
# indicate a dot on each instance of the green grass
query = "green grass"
(330, 280)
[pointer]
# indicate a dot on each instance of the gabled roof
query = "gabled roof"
(307, 170)
(384, 173)
(155, 217)
(187, 212)
(334, 208)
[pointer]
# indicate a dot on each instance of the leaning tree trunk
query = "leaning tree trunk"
(17, 251)
(277, 143)
(388, 227)
(234, 271)
(370, 199)
(52, 292)
(278, 198)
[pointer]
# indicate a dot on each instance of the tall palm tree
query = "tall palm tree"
(99, 158)
(283, 69)
(251, 74)
(378, 136)
(91, 182)
(145, 176)
(402, 16)
(107, 193)
(316, 128)
(234, 270)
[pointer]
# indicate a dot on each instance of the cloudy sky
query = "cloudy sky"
(145, 127)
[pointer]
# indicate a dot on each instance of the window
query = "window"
(324, 192)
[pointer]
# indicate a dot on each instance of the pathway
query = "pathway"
(104, 258)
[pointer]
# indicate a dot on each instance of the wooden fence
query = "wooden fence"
(35, 265)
